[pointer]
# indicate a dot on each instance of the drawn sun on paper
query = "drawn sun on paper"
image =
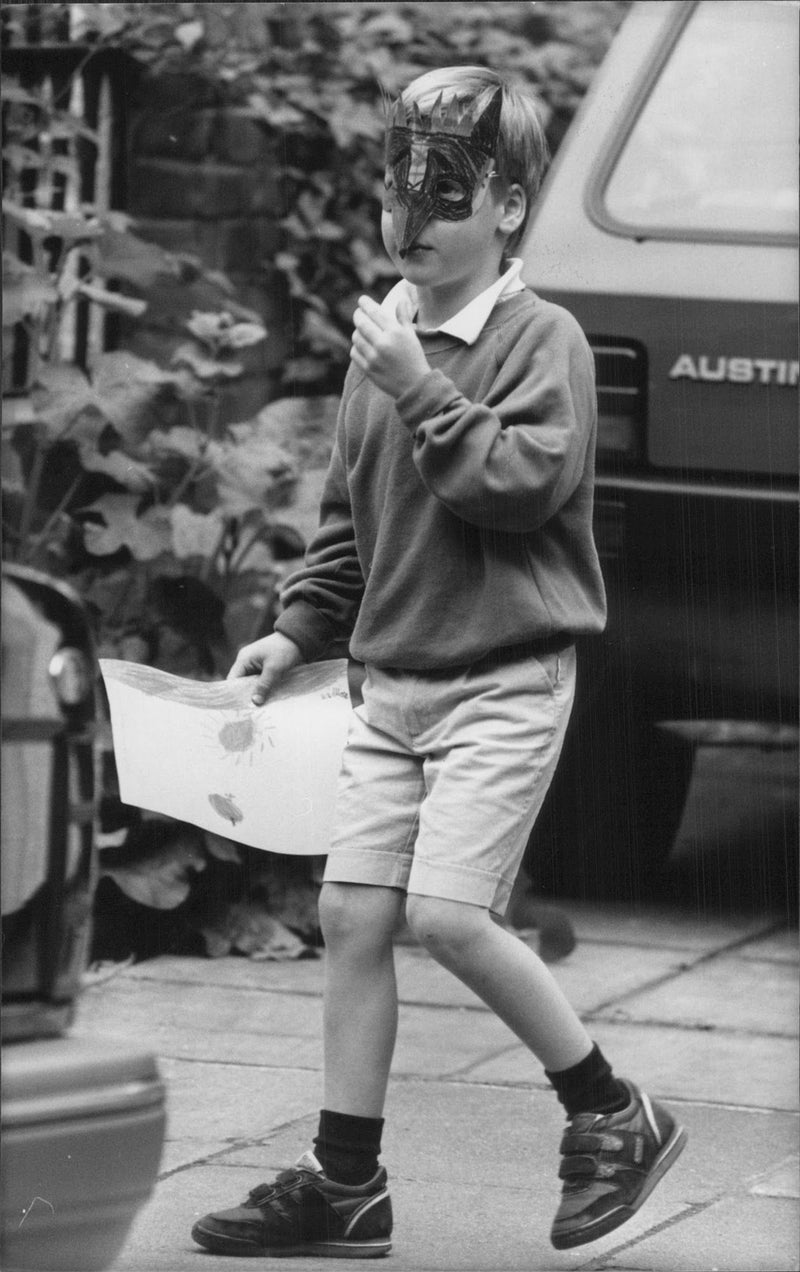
(241, 738)
(227, 807)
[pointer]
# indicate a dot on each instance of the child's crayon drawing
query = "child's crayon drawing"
(201, 752)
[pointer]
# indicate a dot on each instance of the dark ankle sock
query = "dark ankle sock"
(589, 1086)
(347, 1147)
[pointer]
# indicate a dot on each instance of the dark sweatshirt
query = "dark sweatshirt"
(457, 521)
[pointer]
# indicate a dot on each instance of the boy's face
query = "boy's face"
(438, 168)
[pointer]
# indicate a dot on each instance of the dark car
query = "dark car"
(82, 1120)
(668, 227)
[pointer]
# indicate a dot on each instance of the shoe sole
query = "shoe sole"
(241, 1247)
(604, 1224)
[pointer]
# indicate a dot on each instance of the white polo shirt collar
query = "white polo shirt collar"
(470, 321)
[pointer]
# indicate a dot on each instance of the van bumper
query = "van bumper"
(83, 1129)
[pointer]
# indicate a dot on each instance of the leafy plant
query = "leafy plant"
(116, 472)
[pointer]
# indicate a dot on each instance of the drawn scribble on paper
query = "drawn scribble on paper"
(226, 807)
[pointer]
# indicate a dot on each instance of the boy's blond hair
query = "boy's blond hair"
(522, 151)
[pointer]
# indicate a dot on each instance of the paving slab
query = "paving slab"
(734, 1235)
(700, 931)
(725, 1068)
(227, 1103)
(218, 1024)
(164, 1008)
(782, 1180)
(294, 976)
(758, 996)
(781, 946)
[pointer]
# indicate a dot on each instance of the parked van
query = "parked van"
(82, 1118)
(668, 227)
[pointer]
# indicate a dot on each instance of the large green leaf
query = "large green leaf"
(120, 254)
(61, 396)
(130, 473)
(123, 393)
(194, 357)
(186, 442)
(253, 472)
(220, 330)
(196, 534)
(126, 389)
(146, 537)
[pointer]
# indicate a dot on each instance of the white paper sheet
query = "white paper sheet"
(201, 752)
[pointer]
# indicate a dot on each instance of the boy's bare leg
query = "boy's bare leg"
(505, 973)
(360, 1009)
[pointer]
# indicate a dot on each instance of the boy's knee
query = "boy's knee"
(352, 913)
(442, 925)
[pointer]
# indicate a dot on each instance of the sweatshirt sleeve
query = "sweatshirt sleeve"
(510, 461)
(320, 601)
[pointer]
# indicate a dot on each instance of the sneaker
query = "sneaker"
(304, 1213)
(612, 1162)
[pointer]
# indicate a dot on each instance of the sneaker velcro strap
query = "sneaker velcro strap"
(602, 1154)
(593, 1142)
(599, 1141)
(591, 1168)
(259, 1194)
(284, 1183)
(574, 1165)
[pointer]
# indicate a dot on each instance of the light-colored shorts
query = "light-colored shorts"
(443, 776)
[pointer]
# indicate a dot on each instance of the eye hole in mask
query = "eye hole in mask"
(449, 190)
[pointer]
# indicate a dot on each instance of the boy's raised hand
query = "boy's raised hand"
(269, 659)
(386, 347)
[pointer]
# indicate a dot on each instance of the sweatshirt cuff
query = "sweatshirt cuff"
(431, 395)
(309, 630)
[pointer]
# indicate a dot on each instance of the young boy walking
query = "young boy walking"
(455, 551)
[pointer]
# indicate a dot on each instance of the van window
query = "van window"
(714, 148)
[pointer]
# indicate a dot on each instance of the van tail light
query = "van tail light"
(71, 677)
(621, 373)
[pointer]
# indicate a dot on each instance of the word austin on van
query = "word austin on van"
(737, 370)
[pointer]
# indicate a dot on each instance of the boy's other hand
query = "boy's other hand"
(269, 658)
(386, 347)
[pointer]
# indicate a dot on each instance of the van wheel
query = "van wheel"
(612, 813)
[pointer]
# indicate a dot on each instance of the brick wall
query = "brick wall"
(202, 179)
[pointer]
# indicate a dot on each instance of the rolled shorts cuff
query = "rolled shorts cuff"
(362, 865)
(460, 883)
(419, 877)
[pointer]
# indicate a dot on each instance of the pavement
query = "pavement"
(700, 1008)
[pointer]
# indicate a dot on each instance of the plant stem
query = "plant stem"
(208, 565)
(38, 540)
(238, 556)
(32, 494)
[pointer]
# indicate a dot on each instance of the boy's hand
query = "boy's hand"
(269, 658)
(386, 348)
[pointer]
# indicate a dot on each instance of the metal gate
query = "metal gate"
(63, 152)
